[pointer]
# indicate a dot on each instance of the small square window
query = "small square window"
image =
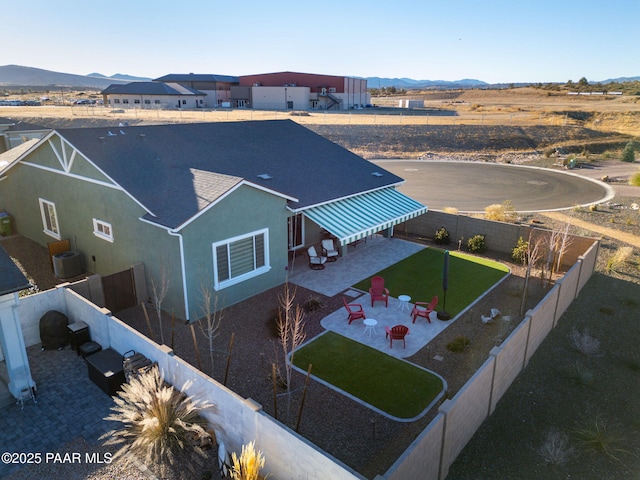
(126, 100)
(136, 101)
(116, 100)
(147, 102)
(157, 102)
(102, 230)
(184, 102)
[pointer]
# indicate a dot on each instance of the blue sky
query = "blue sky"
(496, 41)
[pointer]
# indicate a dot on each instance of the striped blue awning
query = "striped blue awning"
(358, 217)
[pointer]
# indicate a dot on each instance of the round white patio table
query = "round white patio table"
(404, 302)
(369, 326)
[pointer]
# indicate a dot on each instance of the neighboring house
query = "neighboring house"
(222, 204)
(152, 95)
(216, 87)
(15, 132)
(299, 91)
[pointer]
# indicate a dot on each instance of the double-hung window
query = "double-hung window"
(240, 258)
(49, 218)
(102, 230)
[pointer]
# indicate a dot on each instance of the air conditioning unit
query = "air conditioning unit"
(67, 265)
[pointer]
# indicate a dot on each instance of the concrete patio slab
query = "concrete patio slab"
(420, 333)
(361, 261)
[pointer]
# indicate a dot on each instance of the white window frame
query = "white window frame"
(103, 230)
(257, 270)
(49, 215)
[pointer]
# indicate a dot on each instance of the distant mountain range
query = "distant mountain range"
(19, 76)
(409, 83)
(121, 76)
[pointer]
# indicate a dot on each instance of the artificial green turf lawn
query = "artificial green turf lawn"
(420, 277)
(394, 386)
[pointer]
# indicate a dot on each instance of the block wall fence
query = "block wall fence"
(238, 420)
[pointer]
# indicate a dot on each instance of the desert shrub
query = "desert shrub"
(458, 344)
(312, 304)
(476, 244)
(583, 342)
(555, 448)
(622, 255)
(248, 466)
(634, 180)
(158, 421)
(597, 434)
(519, 253)
(451, 210)
(503, 212)
(549, 152)
(593, 208)
(442, 236)
(578, 372)
(629, 153)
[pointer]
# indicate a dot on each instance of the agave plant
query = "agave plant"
(157, 421)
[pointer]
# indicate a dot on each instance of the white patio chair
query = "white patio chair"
(329, 250)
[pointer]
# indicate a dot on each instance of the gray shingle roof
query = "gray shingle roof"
(149, 88)
(11, 278)
(168, 167)
(197, 77)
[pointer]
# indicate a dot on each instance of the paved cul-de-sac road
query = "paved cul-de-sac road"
(472, 186)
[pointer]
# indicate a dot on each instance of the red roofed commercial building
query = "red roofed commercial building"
(299, 91)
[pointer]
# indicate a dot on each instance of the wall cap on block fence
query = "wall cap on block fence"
(446, 406)
(105, 311)
(252, 404)
(495, 351)
(166, 350)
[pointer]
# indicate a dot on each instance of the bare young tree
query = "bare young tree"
(565, 242)
(159, 291)
(558, 243)
(532, 256)
(290, 329)
(211, 316)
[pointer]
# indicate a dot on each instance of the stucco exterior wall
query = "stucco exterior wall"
(168, 102)
(77, 203)
(277, 98)
(244, 211)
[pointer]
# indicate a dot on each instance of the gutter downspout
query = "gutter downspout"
(174, 233)
(184, 273)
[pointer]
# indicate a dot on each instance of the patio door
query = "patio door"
(295, 228)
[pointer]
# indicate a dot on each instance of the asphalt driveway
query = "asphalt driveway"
(472, 186)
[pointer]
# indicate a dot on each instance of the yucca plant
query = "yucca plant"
(157, 421)
(248, 466)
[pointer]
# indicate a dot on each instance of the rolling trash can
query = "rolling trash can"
(5, 224)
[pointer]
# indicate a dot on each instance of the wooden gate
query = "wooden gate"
(119, 290)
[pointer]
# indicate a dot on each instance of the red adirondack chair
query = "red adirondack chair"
(378, 292)
(355, 310)
(424, 309)
(396, 333)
